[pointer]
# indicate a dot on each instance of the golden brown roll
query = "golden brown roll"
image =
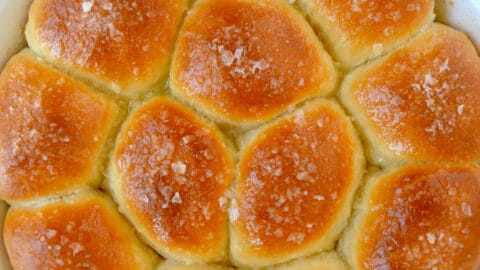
(248, 60)
(417, 217)
(79, 231)
(358, 30)
(169, 173)
(52, 131)
(120, 45)
(295, 184)
(324, 261)
(422, 102)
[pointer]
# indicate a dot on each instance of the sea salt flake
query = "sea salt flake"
(299, 118)
(277, 172)
(87, 6)
(257, 242)
(467, 209)
(135, 71)
(76, 248)
(444, 66)
(179, 167)
(388, 31)
(238, 54)
(51, 233)
(176, 198)
(107, 6)
(318, 197)
(222, 201)
(356, 7)
(460, 109)
(320, 123)
(302, 175)
(429, 80)
(227, 57)
(301, 82)
(187, 139)
(431, 238)
(144, 198)
(278, 233)
(260, 65)
(59, 262)
(296, 237)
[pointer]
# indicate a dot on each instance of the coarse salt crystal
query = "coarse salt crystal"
(302, 175)
(431, 238)
(107, 6)
(51, 233)
(87, 6)
(176, 198)
(467, 209)
(76, 248)
(144, 198)
(179, 167)
(222, 201)
(320, 123)
(444, 66)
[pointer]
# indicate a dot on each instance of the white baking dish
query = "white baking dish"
(461, 14)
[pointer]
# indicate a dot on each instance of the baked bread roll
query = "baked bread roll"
(52, 131)
(169, 173)
(420, 103)
(248, 60)
(417, 217)
(122, 45)
(295, 184)
(78, 231)
(220, 139)
(358, 30)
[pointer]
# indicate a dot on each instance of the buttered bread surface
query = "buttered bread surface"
(241, 134)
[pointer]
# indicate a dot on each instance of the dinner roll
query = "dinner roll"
(169, 173)
(208, 135)
(248, 60)
(52, 131)
(296, 180)
(417, 217)
(79, 231)
(358, 30)
(120, 45)
(324, 261)
(420, 103)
